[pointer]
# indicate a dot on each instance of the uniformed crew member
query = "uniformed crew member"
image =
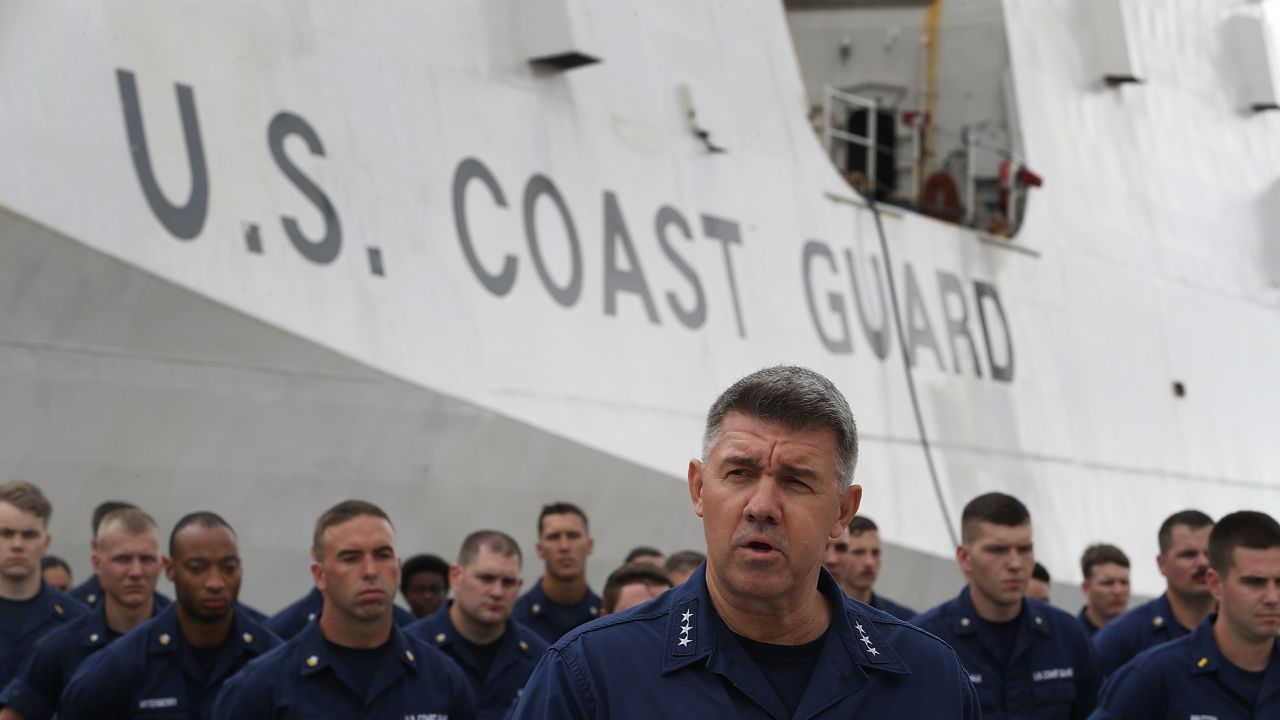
(56, 573)
(89, 592)
(1184, 562)
(174, 665)
(635, 583)
(475, 628)
(760, 630)
(1105, 569)
(353, 662)
(1026, 659)
(680, 565)
(561, 599)
(424, 583)
(1228, 667)
(29, 609)
(127, 562)
(862, 569)
(1039, 587)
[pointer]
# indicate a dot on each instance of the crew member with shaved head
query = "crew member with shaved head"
(127, 563)
(1228, 666)
(760, 630)
(29, 609)
(862, 569)
(174, 665)
(475, 628)
(1187, 601)
(1026, 658)
(353, 661)
(561, 599)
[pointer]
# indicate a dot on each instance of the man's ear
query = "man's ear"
(850, 501)
(695, 485)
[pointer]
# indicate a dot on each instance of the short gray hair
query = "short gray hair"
(795, 397)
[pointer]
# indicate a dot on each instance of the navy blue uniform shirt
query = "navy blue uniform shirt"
(89, 592)
(34, 692)
(300, 679)
(518, 651)
(154, 672)
(1086, 624)
(1145, 626)
(1052, 672)
(884, 604)
(1189, 678)
(552, 620)
(670, 657)
(42, 614)
(291, 620)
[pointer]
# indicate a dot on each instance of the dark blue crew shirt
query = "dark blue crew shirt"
(34, 691)
(1143, 627)
(514, 656)
(1050, 672)
(1089, 628)
(671, 658)
(27, 621)
(1189, 678)
(154, 672)
(884, 604)
(291, 620)
(303, 679)
(551, 619)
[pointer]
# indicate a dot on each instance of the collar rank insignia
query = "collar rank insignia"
(685, 640)
(1157, 621)
(866, 640)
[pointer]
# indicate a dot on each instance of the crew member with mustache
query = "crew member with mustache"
(1228, 666)
(760, 630)
(174, 665)
(862, 569)
(1027, 659)
(353, 662)
(1187, 601)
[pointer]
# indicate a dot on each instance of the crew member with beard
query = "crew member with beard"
(29, 609)
(174, 665)
(1187, 601)
(126, 560)
(353, 662)
(862, 569)
(561, 600)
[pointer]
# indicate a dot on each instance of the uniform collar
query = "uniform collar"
(313, 657)
(692, 620)
(1083, 617)
(1033, 617)
(95, 633)
(438, 629)
(539, 601)
(1203, 658)
(164, 638)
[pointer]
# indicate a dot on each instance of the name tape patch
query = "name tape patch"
(1053, 674)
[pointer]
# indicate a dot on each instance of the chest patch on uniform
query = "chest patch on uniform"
(1204, 717)
(1053, 674)
(155, 703)
(425, 716)
(975, 678)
